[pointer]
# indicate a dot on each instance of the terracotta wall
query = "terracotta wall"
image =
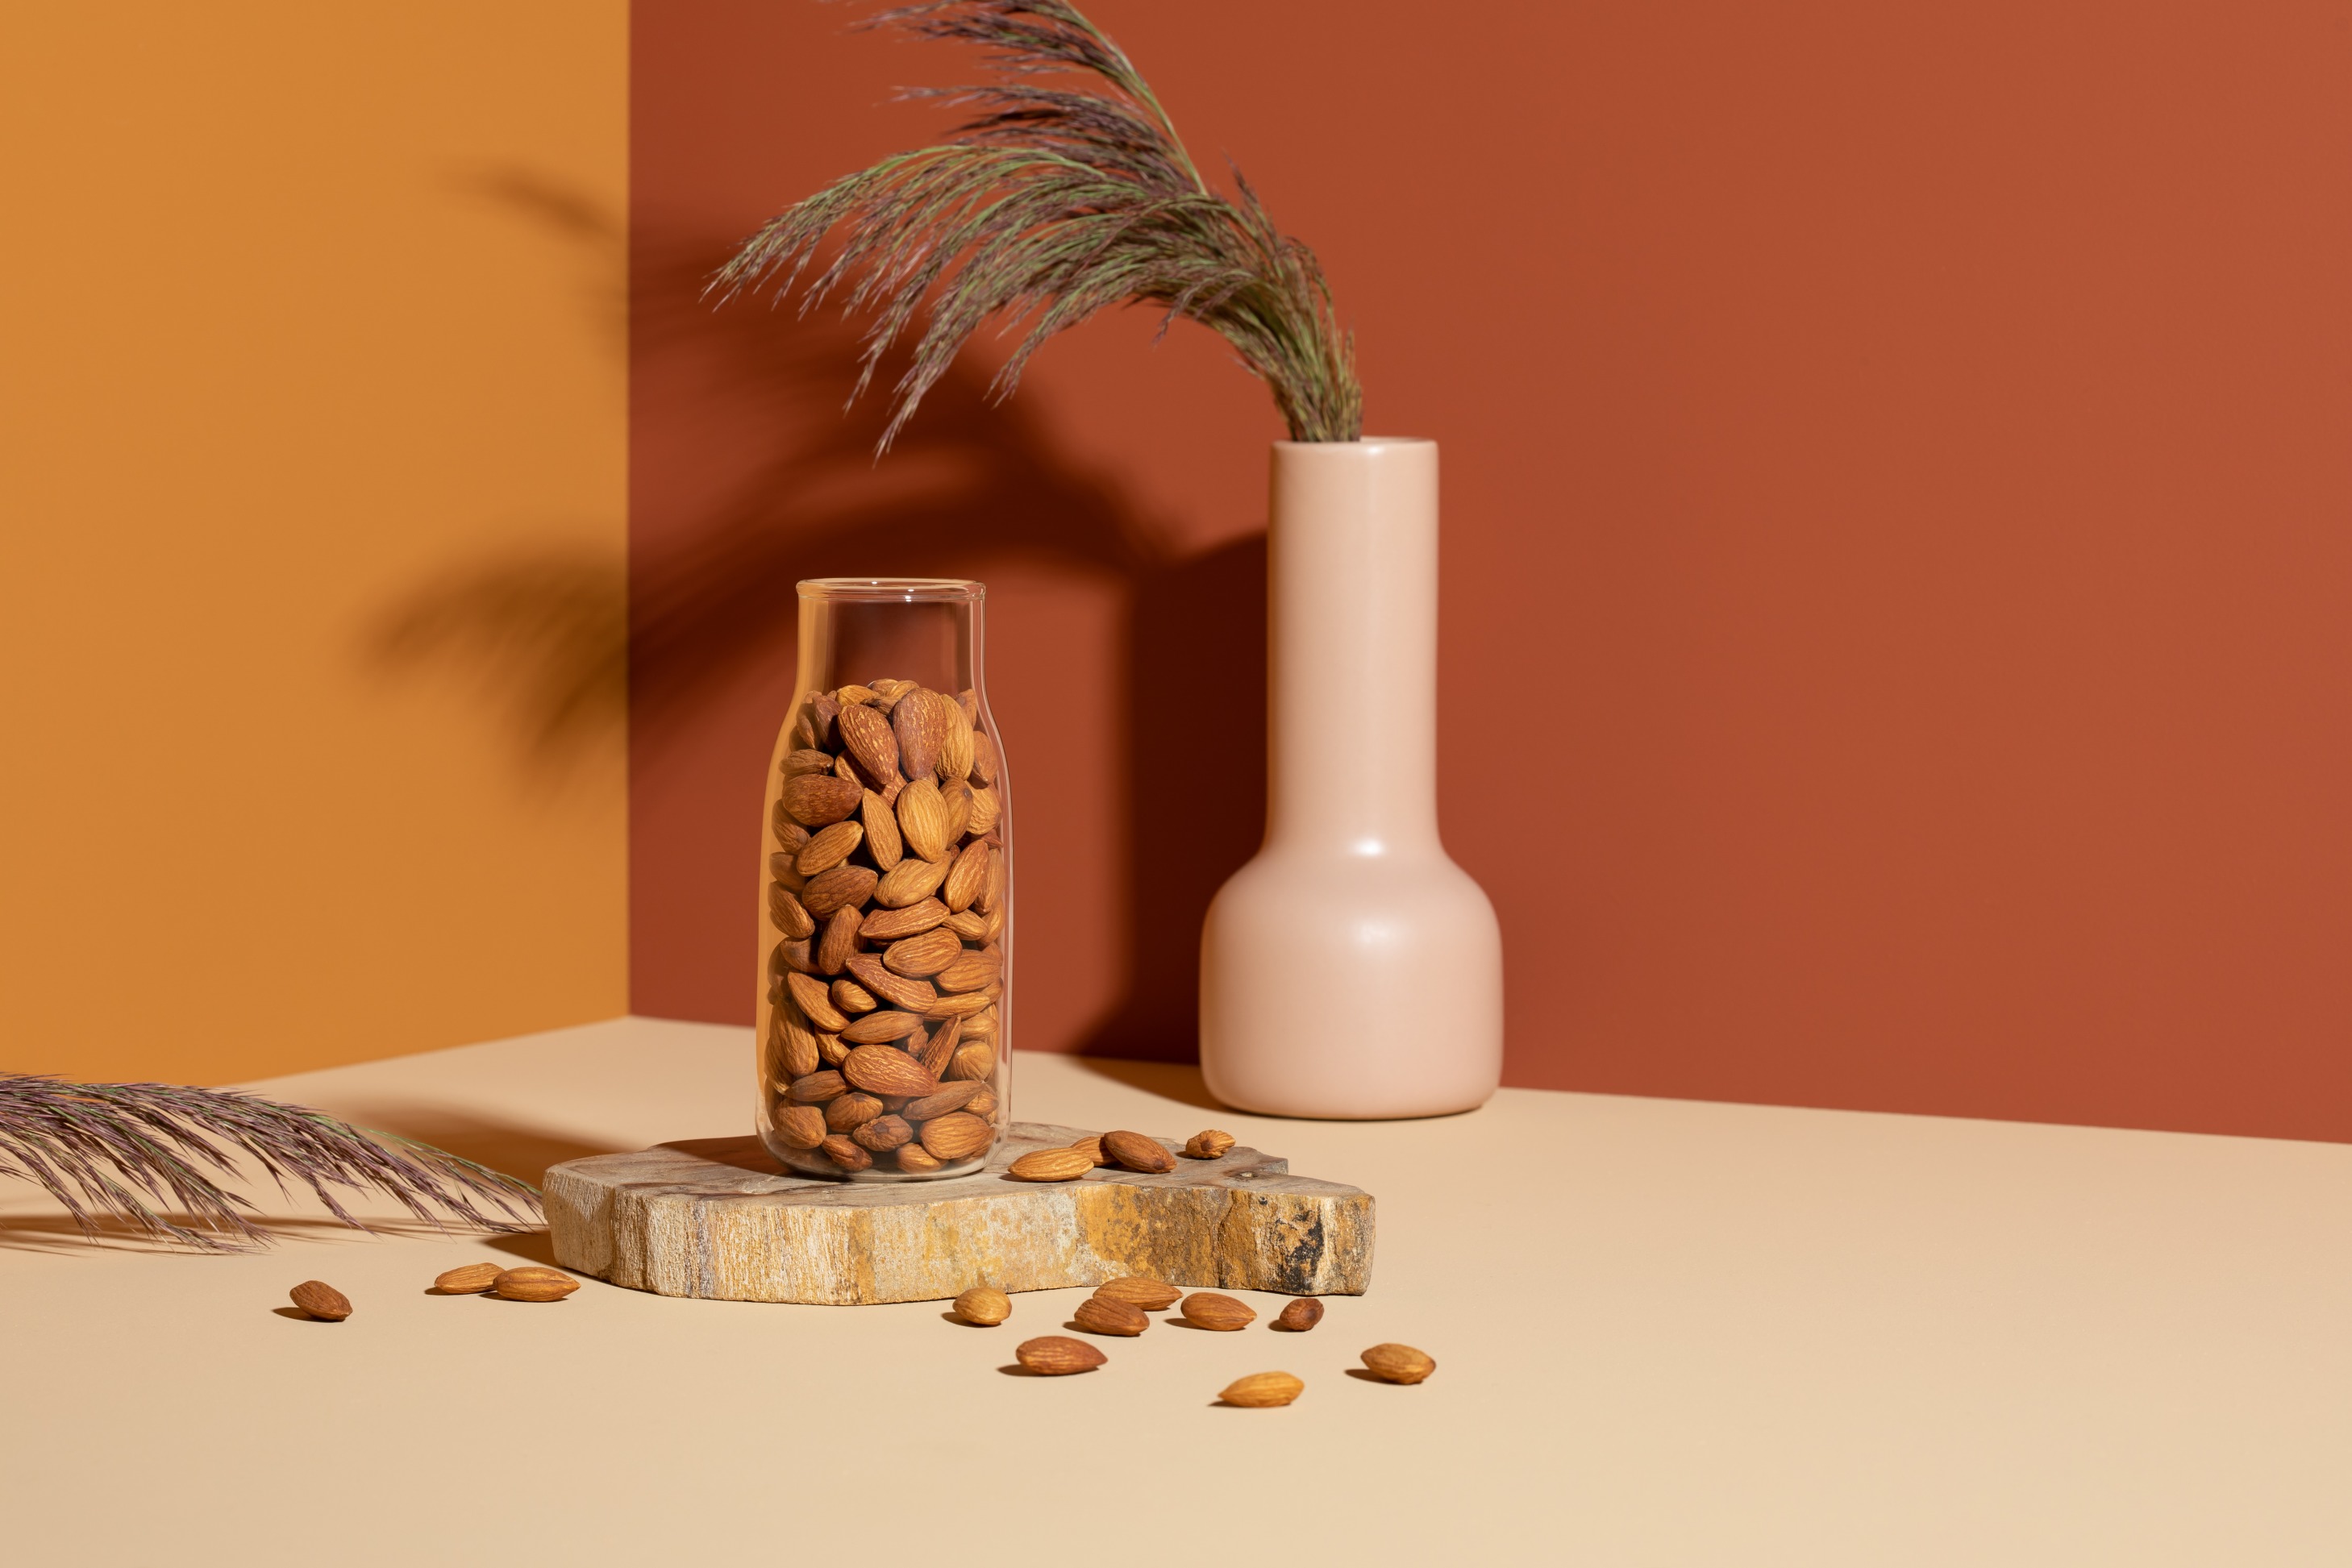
(1898, 520)
(311, 455)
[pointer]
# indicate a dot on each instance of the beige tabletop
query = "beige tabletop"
(1666, 1332)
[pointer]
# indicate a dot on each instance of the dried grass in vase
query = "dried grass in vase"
(1051, 205)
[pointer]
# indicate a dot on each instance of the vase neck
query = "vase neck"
(1352, 649)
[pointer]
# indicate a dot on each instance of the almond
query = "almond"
(790, 918)
(885, 1070)
(981, 1024)
(845, 1155)
(800, 1126)
(882, 840)
(984, 1306)
(971, 972)
(1398, 1364)
(888, 926)
(912, 881)
(1093, 1150)
(846, 771)
(1139, 1291)
(876, 1029)
(971, 925)
(1262, 1390)
(962, 1004)
(795, 1046)
(968, 701)
(820, 713)
(1208, 1310)
(818, 799)
(805, 760)
(829, 848)
(921, 724)
(889, 689)
(915, 1157)
(951, 1097)
(840, 888)
(534, 1284)
(927, 953)
(321, 1301)
(790, 835)
(941, 1049)
(985, 813)
(1299, 1316)
(983, 757)
(853, 693)
(867, 735)
(993, 894)
(976, 1061)
(830, 1048)
(882, 1134)
(840, 938)
(956, 796)
(470, 1279)
(1106, 1314)
(955, 742)
(982, 1105)
(1138, 1153)
(1057, 1357)
(815, 1003)
(1050, 1165)
(852, 997)
(847, 1112)
(966, 877)
(895, 990)
(957, 1136)
(1207, 1146)
(817, 1087)
(923, 818)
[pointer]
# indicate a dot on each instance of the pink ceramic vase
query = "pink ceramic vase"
(1351, 969)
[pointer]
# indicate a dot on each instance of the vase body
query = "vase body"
(886, 901)
(1351, 969)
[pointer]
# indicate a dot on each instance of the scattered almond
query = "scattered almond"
(533, 1283)
(1058, 1356)
(1262, 1390)
(1138, 1153)
(1051, 1164)
(321, 1301)
(468, 1280)
(1207, 1146)
(1300, 1315)
(1094, 1150)
(1106, 1314)
(985, 1306)
(1139, 1291)
(1398, 1364)
(1208, 1310)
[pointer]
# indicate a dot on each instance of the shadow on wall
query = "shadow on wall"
(970, 483)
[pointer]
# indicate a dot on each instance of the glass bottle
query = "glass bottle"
(886, 897)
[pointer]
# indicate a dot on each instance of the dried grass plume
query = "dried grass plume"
(1051, 205)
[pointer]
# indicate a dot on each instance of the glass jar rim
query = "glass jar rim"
(894, 590)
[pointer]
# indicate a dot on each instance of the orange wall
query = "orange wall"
(313, 352)
(1897, 506)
